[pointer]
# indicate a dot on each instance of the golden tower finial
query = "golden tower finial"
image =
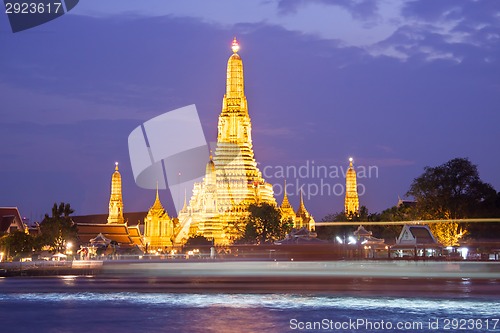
(185, 200)
(351, 203)
(301, 200)
(285, 204)
(157, 204)
(235, 46)
(115, 200)
(235, 91)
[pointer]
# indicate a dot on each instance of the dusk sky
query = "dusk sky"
(397, 85)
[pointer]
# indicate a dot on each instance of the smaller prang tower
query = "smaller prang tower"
(158, 227)
(115, 199)
(351, 193)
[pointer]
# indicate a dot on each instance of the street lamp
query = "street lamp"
(69, 246)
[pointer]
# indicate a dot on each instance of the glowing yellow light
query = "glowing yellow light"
(235, 46)
(351, 203)
(115, 200)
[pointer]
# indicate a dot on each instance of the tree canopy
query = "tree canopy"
(17, 243)
(452, 190)
(264, 225)
(58, 229)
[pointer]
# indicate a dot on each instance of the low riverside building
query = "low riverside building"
(115, 226)
(416, 241)
(10, 220)
(371, 247)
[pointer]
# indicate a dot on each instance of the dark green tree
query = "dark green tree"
(452, 190)
(264, 224)
(198, 240)
(399, 213)
(17, 244)
(58, 229)
(331, 231)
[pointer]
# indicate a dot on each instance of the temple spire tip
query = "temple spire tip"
(235, 46)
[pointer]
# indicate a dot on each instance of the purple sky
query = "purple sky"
(398, 85)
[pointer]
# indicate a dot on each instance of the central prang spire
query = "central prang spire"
(233, 180)
(235, 87)
(351, 193)
(115, 199)
(234, 121)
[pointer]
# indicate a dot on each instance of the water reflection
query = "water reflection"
(133, 304)
(132, 311)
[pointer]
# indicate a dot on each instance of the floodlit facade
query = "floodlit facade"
(115, 200)
(301, 218)
(231, 183)
(232, 180)
(116, 227)
(351, 203)
(158, 227)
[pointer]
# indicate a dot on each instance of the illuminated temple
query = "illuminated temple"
(232, 180)
(158, 227)
(351, 203)
(115, 199)
(300, 219)
(231, 183)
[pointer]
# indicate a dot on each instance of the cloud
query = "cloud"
(390, 162)
(418, 41)
(359, 9)
(310, 98)
(474, 22)
(470, 12)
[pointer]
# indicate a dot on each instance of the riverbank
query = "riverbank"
(256, 268)
(338, 277)
(50, 268)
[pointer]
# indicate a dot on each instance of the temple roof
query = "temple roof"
(132, 218)
(9, 216)
(300, 236)
(416, 235)
(361, 231)
(120, 233)
(285, 204)
(157, 208)
(301, 211)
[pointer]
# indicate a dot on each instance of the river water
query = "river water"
(68, 304)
